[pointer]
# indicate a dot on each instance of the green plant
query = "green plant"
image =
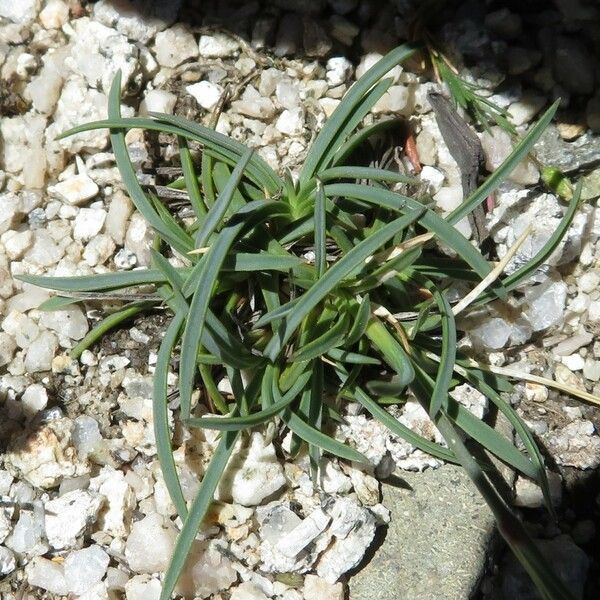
(424, 20)
(297, 337)
(465, 95)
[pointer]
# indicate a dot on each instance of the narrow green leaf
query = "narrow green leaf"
(161, 415)
(211, 388)
(221, 177)
(57, 303)
(267, 398)
(269, 287)
(97, 282)
(363, 314)
(291, 373)
(347, 106)
(448, 355)
(217, 211)
(207, 167)
(190, 178)
(208, 184)
(299, 229)
(497, 382)
(320, 232)
(476, 380)
(178, 239)
(240, 262)
(237, 423)
(516, 278)
(170, 224)
(296, 442)
(386, 388)
(392, 351)
(261, 261)
(354, 358)
(275, 314)
(333, 337)
(223, 343)
(197, 512)
(360, 137)
(316, 438)
(208, 359)
(436, 267)
(403, 432)
(421, 318)
(520, 151)
(170, 274)
(388, 269)
(339, 236)
(333, 277)
(315, 415)
(372, 173)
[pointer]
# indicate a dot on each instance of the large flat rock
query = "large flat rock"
(436, 544)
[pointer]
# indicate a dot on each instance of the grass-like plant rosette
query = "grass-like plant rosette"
(365, 320)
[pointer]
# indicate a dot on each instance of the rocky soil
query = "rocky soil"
(84, 511)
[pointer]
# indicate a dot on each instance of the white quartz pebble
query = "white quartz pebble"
(85, 568)
(175, 45)
(74, 190)
(206, 93)
(150, 544)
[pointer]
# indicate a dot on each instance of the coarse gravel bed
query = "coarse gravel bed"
(84, 511)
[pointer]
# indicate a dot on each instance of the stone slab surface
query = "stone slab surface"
(436, 544)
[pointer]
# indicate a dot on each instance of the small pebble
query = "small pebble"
(158, 101)
(591, 369)
(574, 362)
(175, 45)
(48, 575)
(570, 131)
(207, 94)
(434, 178)
(34, 399)
(75, 190)
(217, 45)
(150, 544)
(589, 282)
(291, 122)
(84, 568)
(339, 69)
(54, 15)
(125, 259)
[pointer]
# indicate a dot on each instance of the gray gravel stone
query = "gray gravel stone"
(551, 149)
